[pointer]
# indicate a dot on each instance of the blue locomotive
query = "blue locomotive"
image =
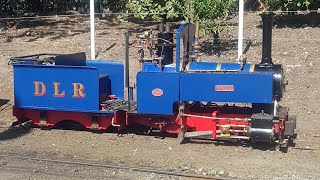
(187, 97)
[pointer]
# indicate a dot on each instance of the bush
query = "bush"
(35, 7)
(155, 9)
(297, 4)
(289, 5)
(204, 11)
(208, 11)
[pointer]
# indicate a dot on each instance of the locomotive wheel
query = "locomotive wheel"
(16, 123)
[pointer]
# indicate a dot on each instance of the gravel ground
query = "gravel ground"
(12, 168)
(296, 46)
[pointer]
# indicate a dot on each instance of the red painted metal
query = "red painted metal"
(120, 119)
(51, 118)
(104, 122)
(203, 121)
(276, 128)
(208, 120)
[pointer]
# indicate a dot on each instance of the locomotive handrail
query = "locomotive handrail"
(224, 71)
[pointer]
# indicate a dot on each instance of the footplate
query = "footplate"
(113, 104)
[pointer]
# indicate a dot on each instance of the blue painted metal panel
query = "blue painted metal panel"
(247, 88)
(213, 65)
(149, 97)
(152, 67)
(235, 66)
(27, 78)
(115, 70)
(202, 66)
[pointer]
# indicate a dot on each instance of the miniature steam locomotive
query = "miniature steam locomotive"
(188, 97)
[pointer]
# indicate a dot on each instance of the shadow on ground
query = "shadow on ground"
(296, 20)
(3, 102)
(220, 47)
(14, 132)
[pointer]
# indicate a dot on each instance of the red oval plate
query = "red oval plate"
(157, 92)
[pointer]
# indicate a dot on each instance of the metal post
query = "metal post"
(168, 27)
(161, 26)
(240, 26)
(92, 30)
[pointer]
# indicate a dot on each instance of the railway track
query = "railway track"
(98, 165)
(52, 173)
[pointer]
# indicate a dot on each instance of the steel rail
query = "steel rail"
(136, 169)
(15, 169)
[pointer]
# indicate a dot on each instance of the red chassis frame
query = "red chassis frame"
(213, 123)
(49, 118)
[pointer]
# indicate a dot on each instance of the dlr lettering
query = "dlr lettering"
(40, 89)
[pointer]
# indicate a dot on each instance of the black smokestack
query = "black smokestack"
(267, 18)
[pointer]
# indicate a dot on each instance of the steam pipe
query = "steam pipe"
(267, 18)
(127, 77)
(197, 44)
(127, 59)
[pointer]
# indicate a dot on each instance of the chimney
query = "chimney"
(267, 18)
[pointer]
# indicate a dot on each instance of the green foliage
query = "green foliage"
(290, 5)
(208, 11)
(154, 9)
(35, 7)
(10, 6)
(212, 9)
(116, 6)
(297, 4)
(192, 10)
(204, 11)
